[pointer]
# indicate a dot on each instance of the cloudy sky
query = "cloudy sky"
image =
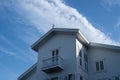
(23, 22)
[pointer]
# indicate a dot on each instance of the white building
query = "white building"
(66, 54)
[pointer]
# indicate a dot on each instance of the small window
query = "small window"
(80, 57)
(55, 53)
(81, 77)
(99, 65)
(70, 77)
(85, 57)
(80, 61)
(117, 78)
(86, 66)
(80, 53)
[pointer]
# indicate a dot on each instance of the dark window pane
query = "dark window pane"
(116, 78)
(97, 66)
(70, 77)
(57, 52)
(53, 53)
(85, 57)
(101, 65)
(80, 53)
(81, 62)
(81, 78)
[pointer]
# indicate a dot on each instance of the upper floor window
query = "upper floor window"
(85, 57)
(80, 57)
(55, 53)
(100, 65)
(86, 61)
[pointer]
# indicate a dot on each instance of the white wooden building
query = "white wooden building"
(66, 54)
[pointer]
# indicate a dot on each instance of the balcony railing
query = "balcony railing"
(53, 64)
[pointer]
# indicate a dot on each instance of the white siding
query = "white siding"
(66, 45)
(111, 60)
(81, 69)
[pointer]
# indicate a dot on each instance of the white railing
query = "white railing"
(52, 62)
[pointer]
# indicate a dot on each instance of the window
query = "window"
(100, 65)
(117, 78)
(97, 66)
(70, 77)
(81, 77)
(80, 53)
(80, 56)
(85, 57)
(86, 66)
(86, 61)
(80, 61)
(55, 54)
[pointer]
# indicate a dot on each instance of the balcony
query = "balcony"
(53, 64)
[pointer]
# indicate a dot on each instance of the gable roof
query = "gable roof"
(53, 31)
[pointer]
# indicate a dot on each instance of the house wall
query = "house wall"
(66, 45)
(111, 60)
(81, 71)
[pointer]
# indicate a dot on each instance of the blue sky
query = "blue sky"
(23, 22)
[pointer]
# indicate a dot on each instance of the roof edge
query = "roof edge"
(109, 46)
(49, 34)
(32, 68)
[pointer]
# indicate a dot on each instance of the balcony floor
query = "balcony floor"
(52, 69)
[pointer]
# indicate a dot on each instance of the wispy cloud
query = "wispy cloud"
(5, 51)
(27, 34)
(11, 49)
(117, 25)
(43, 13)
(111, 2)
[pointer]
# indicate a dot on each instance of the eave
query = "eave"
(54, 31)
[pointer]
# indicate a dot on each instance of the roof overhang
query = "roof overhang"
(54, 31)
(106, 46)
(79, 35)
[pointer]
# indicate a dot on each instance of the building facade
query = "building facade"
(66, 54)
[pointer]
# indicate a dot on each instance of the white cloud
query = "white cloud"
(110, 3)
(5, 51)
(118, 23)
(43, 13)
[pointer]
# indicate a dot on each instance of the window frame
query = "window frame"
(100, 65)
